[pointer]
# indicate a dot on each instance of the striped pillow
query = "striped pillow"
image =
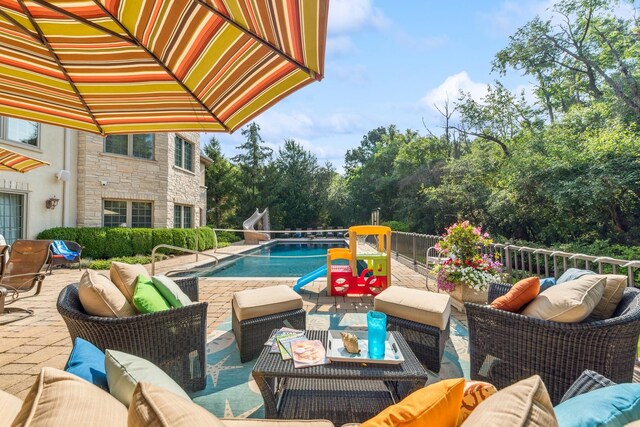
(475, 392)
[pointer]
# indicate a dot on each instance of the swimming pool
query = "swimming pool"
(267, 265)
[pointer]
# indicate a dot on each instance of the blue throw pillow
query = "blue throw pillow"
(546, 283)
(87, 362)
(612, 406)
(573, 274)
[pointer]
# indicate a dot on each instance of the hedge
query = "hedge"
(103, 243)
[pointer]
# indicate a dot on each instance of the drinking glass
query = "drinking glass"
(376, 333)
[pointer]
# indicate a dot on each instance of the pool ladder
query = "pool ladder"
(178, 248)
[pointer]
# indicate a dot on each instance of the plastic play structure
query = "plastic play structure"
(353, 272)
(259, 219)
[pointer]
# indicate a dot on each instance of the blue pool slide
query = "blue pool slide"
(310, 277)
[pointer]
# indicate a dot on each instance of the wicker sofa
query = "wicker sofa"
(174, 340)
(506, 347)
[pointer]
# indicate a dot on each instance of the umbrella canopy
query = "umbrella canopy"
(123, 66)
(16, 162)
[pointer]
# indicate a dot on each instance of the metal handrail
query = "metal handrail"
(176, 248)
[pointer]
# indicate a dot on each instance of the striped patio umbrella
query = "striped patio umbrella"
(126, 66)
(16, 162)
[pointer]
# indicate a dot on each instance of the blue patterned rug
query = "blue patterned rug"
(231, 392)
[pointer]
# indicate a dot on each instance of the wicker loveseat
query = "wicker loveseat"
(174, 339)
(506, 347)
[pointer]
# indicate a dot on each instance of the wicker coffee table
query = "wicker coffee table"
(341, 392)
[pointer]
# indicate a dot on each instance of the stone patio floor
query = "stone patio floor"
(43, 340)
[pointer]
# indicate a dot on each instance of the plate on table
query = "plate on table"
(337, 353)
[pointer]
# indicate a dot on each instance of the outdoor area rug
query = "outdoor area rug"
(231, 392)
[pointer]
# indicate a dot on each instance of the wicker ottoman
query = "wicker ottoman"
(257, 312)
(421, 317)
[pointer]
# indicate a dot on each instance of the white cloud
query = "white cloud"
(529, 93)
(449, 90)
(339, 45)
(351, 15)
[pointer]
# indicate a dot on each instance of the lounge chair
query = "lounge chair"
(298, 233)
(24, 270)
(59, 259)
(309, 234)
(330, 233)
(287, 233)
(320, 232)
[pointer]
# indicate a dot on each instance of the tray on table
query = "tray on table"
(337, 353)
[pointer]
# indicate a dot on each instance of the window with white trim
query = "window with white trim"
(183, 154)
(139, 145)
(12, 206)
(20, 131)
(182, 216)
(118, 213)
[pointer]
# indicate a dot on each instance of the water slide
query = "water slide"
(251, 236)
(310, 277)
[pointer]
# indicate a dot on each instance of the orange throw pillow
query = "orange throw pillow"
(434, 405)
(521, 294)
(475, 392)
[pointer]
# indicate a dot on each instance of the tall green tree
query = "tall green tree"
(221, 179)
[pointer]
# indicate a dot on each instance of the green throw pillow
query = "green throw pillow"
(146, 298)
(171, 291)
(125, 371)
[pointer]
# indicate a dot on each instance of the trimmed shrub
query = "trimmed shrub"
(397, 225)
(206, 238)
(59, 233)
(179, 238)
(163, 236)
(94, 241)
(142, 241)
(190, 238)
(105, 264)
(227, 236)
(118, 242)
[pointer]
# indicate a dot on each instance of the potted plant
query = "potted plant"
(465, 272)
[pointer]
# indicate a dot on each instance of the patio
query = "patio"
(43, 340)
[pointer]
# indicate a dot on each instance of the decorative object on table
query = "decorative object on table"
(465, 273)
(336, 352)
(350, 342)
(376, 333)
(308, 353)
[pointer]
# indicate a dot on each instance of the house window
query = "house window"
(116, 213)
(182, 216)
(22, 131)
(183, 154)
(11, 216)
(136, 145)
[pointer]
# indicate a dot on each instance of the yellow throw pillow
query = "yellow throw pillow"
(437, 405)
(100, 296)
(59, 398)
(525, 403)
(125, 276)
(613, 292)
(155, 406)
(475, 392)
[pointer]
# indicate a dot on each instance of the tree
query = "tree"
(252, 164)
(221, 179)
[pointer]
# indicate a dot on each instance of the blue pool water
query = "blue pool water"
(269, 266)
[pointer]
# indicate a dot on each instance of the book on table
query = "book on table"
(307, 353)
(284, 344)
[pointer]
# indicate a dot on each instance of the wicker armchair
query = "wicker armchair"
(507, 347)
(174, 339)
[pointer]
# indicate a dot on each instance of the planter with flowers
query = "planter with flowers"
(465, 272)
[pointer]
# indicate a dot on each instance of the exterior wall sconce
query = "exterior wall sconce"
(52, 202)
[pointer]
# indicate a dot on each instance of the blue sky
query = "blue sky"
(388, 62)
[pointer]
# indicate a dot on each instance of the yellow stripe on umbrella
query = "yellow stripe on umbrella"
(15, 162)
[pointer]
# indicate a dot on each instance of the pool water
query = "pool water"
(277, 267)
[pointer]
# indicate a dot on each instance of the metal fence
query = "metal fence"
(519, 261)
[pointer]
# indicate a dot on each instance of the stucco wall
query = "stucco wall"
(40, 184)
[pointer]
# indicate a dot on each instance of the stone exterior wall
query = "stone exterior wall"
(110, 176)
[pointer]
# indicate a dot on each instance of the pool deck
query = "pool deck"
(43, 340)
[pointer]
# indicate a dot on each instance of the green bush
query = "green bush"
(94, 241)
(59, 233)
(397, 225)
(190, 238)
(142, 241)
(118, 242)
(105, 264)
(205, 238)
(179, 238)
(163, 236)
(227, 236)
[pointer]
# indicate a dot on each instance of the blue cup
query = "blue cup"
(376, 333)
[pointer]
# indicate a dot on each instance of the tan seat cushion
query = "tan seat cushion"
(254, 303)
(59, 398)
(100, 296)
(155, 406)
(9, 408)
(525, 403)
(416, 305)
(125, 276)
(613, 291)
(568, 302)
(278, 423)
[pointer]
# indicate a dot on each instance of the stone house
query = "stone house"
(141, 180)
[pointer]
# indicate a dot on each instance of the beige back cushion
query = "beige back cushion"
(100, 297)
(9, 408)
(155, 406)
(252, 422)
(59, 398)
(568, 302)
(525, 403)
(611, 297)
(125, 276)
